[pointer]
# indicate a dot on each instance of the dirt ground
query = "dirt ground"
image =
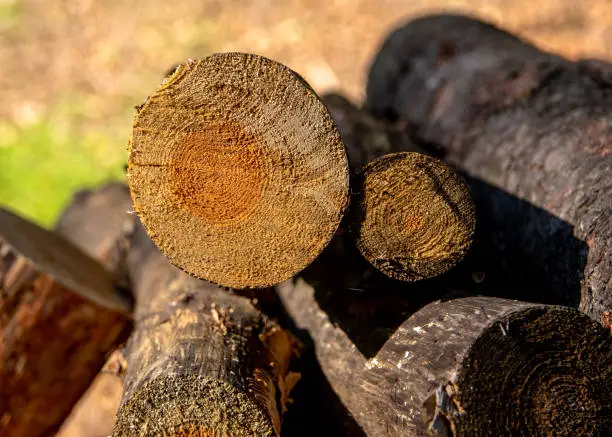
(111, 54)
(107, 56)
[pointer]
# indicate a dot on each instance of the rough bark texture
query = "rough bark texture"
(202, 361)
(53, 341)
(529, 122)
(366, 138)
(474, 366)
(233, 161)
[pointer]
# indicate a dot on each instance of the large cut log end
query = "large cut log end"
(537, 371)
(414, 217)
(233, 161)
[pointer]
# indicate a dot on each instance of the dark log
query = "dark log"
(60, 317)
(100, 223)
(467, 367)
(366, 138)
(201, 361)
(233, 161)
(526, 121)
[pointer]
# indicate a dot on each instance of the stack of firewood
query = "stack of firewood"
(263, 225)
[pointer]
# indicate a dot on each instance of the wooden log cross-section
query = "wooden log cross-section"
(61, 315)
(411, 216)
(528, 122)
(467, 367)
(201, 361)
(237, 170)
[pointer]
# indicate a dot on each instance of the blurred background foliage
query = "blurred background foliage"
(71, 71)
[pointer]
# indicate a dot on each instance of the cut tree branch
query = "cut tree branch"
(60, 317)
(472, 366)
(412, 217)
(201, 360)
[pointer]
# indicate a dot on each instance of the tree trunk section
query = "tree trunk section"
(53, 340)
(467, 367)
(531, 123)
(202, 361)
(237, 154)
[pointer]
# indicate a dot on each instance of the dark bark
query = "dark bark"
(529, 122)
(53, 340)
(100, 223)
(474, 366)
(201, 361)
(366, 138)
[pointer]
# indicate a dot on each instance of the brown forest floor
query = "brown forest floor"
(104, 57)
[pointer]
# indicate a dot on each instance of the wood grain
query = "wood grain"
(412, 216)
(237, 170)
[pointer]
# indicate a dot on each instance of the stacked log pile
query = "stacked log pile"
(437, 300)
(535, 125)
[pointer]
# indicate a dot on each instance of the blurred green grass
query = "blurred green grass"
(43, 162)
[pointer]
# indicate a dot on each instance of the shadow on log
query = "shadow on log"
(315, 397)
(520, 251)
(515, 253)
(473, 366)
(529, 122)
(369, 306)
